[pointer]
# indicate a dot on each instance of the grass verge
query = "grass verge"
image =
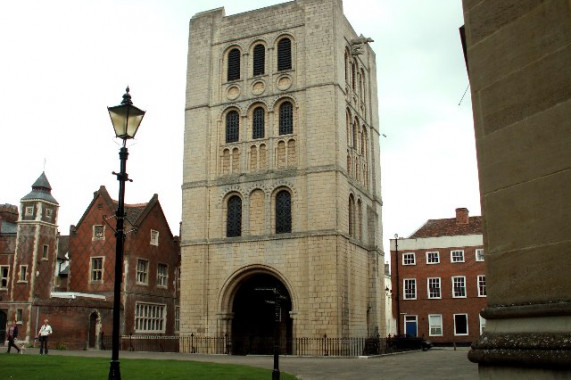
(36, 367)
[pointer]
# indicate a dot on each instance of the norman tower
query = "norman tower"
(281, 186)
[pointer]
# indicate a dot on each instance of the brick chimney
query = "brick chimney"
(9, 213)
(462, 216)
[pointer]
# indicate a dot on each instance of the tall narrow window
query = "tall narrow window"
(142, 271)
(460, 324)
(234, 64)
(259, 123)
(96, 269)
(409, 288)
(232, 126)
(434, 287)
(4, 270)
(154, 237)
(23, 273)
(259, 59)
(482, 285)
(286, 118)
(458, 286)
(162, 275)
(283, 212)
(234, 217)
(351, 216)
(284, 54)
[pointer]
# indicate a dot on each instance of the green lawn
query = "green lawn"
(36, 367)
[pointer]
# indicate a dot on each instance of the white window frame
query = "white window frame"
(435, 326)
(404, 287)
(482, 324)
(29, 211)
(19, 315)
(481, 285)
(93, 270)
(454, 287)
(458, 258)
(467, 325)
(23, 273)
(480, 254)
(4, 276)
(406, 258)
(162, 278)
(154, 237)
(96, 234)
(437, 255)
(150, 317)
(49, 214)
(428, 288)
(142, 272)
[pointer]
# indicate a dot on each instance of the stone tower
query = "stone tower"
(281, 179)
(518, 57)
(33, 269)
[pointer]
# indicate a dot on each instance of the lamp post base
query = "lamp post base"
(114, 370)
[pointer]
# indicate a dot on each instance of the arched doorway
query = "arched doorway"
(255, 314)
(93, 330)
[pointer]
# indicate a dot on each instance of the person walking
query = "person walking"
(12, 336)
(43, 334)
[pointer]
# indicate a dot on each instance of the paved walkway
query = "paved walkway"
(437, 363)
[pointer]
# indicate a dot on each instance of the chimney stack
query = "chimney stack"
(462, 216)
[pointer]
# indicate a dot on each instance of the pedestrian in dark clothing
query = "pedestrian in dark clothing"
(12, 335)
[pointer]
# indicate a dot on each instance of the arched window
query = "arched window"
(283, 212)
(353, 75)
(355, 134)
(284, 54)
(359, 220)
(286, 118)
(259, 63)
(234, 217)
(234, 64)
(232, 126)
(363, 85)
(258, 123)
(351, 216)
(346, 67)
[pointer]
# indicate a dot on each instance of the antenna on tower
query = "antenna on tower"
(463, 95)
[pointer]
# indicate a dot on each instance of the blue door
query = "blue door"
(411, 325)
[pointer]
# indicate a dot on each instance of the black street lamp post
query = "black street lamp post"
(276, 301)
(126, 119)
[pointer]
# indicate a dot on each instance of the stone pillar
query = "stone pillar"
(519, 56)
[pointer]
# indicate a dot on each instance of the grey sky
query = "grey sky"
(64, 61)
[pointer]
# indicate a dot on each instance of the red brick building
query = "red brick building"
(150, 271)
(69, 279)
(439, 280)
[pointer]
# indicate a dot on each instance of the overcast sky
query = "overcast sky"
(64, 61)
